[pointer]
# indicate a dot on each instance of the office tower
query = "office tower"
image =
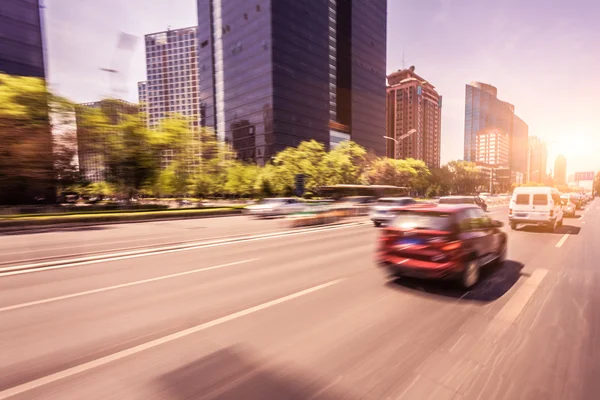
(560, 170)
(172, 76)
(413, 104)
(492, 147)
(484, 110)
(92, 164)
(21, 38)
(538, 160)
(274, 73)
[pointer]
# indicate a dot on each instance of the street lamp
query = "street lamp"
(407, 134)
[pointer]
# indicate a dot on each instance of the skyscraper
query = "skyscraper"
(21, 39)
(275, 73)
(172, 76)
(492, 148)
(413, 104)
(538, 160)
(560, 170)
(484, 110)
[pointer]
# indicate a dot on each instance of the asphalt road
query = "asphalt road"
(302, 316)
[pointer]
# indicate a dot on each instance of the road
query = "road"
(294, 316)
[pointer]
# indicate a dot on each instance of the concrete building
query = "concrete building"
(560, 170)
(92, 164)
(483, 110)
(413, 103)
(538, 160)
(21, 38)
(172, 76)
(276, 73)
(492, 147)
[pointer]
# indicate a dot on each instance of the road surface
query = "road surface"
(294, 316)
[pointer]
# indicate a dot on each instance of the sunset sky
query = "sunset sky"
(543, 56)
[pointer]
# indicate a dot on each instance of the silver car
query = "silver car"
(275, 207)
(381, 212)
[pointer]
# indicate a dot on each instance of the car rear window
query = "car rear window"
(540, 199)
(423, 220)
(522, 199)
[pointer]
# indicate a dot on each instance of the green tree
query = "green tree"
(26, 154)
(387, 171)
(305, 159)
(440, 182)
(342, 165)
(241, 179)
(466, 177)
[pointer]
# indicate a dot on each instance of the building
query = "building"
(538, 160)
(276, 73)
(492, 147)
(21, 38)
(413, 104)
(92, 164)
(560, 170)
(172, 76)
(484, 110)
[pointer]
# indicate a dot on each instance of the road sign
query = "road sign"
(299, 180)
(584, 176)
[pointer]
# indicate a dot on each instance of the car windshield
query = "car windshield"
(437, 221)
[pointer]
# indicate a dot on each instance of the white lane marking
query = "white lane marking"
(157, 342)
(511, 310)
(562, 240)
(123, 285)
(46, 266)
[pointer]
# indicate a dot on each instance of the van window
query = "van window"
(540, 199)
(522, 199)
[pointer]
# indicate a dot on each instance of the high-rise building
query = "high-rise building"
(484, 110)
(560, 170)
(276, 73)
(92, 164)
(21, 38)
(492, 147)
(538, 160)
(413, 105)
(172, 76)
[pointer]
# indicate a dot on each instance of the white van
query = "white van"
(535, 205)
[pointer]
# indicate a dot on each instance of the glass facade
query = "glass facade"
(21, 41)
(275, 73)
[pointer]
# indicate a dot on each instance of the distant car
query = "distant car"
(478, 201)
(569, 206)
(443, 242)
(536, 205)
(382, 212)
(275, 207)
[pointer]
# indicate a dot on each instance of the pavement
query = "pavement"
(292, 314)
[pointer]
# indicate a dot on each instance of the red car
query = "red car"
(442, 242)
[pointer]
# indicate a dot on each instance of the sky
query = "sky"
(541, 55)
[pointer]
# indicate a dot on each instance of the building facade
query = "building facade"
(492, 147)
(560, 170)
(172, 76)
(275, 73)
(92, 164)
(414, 105)
(21, 38)
(538, 160)
(484, 110)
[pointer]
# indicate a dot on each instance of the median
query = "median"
(16, 222)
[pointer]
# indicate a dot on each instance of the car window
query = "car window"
(477, 219)
(522, 199)
(438, 221)
(540, 199)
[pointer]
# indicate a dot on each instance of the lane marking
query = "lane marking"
(120, 286)
(59, 264)
(36, 383)
(511, 310)
(562, 240)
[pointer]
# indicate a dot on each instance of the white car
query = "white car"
(381, 212)
(275, 207)
(536, 205)
(569, 206)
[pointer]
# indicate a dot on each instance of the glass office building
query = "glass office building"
(21, 41)
(275, 73)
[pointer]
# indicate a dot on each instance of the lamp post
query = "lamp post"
(407, 134)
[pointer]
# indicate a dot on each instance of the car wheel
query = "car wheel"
(377, 224)
(471, 274)
(513, 226)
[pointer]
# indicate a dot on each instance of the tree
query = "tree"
(241, 179)
(305, 159)
(26, 157)
(387, 171)
(419, 182)
(466, 177)
(440, 182)
(343, 165)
